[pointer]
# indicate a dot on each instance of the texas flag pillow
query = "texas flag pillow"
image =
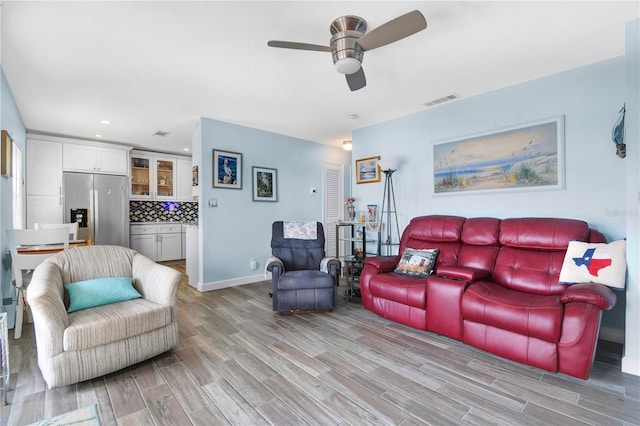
(599, 263)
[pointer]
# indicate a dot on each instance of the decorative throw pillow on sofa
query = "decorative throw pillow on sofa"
(595, 262)
(418, 263)
(101, 291)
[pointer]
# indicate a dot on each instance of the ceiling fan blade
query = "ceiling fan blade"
(356, 80)
(394, 30)
(299, 46)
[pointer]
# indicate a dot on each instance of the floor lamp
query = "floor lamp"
(388, 167)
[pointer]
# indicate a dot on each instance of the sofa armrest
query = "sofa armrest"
(332, 266)
(592, 293)
(45, 298)
(382, 263)
(157, 283)
(462, 272)
(276, 267)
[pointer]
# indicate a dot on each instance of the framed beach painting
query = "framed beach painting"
(265, 184)
(227, 169)
(367, 170)
(524, 157)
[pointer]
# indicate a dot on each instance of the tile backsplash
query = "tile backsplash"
(163, 211)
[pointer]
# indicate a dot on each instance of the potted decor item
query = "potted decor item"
(351, 208)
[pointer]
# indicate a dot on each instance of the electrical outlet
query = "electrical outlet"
(213, 202)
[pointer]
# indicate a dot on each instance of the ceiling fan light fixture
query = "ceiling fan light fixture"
(347, 65)
(347, 145)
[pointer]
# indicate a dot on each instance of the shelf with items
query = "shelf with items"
(352, 246)
(152, 177)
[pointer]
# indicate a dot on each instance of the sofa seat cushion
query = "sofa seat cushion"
(523, 313)
(297, 280)
(97, 326)
(404, 289)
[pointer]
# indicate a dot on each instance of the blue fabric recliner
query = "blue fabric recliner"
(303, 279)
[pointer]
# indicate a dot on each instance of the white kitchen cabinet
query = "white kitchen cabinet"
(184, 179)
(44, 209)
(157, 241)
(152, 178)
(170, 242)
(145, 244)
(44, 167)
(184, 241)
(192, 255)
(44, 182)
(94, 159)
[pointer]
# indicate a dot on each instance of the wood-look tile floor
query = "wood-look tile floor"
(240, 363)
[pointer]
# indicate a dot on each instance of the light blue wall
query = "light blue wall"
(11, 121)
(631, 359)
(239, 228)
(589, 98)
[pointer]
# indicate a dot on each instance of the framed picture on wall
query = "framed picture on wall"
(265, 183)
(194, 176)
(7, 150)
(227, 169)
(367, 170)
(523, 157)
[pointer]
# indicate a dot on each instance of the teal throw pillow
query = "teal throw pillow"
(100, 291)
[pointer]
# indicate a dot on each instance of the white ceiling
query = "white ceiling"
(150, 66)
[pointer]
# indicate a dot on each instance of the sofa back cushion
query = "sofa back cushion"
(479, 243)
(435, 231)
(542, 233)
(91, 262)
(532, 253)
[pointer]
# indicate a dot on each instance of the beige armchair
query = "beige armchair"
(77, 346)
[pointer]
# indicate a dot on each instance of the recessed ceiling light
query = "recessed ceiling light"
(186, 149)
(98, 136)
(352, 116)
(105, 122)
(161, 133)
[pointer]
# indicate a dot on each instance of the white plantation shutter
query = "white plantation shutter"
(332, 204)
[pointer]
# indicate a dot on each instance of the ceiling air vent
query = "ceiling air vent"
(443, 99)
(161, 133)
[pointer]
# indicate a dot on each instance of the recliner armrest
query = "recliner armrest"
(592, 293)
(276, 267)
(382, 263)
(462, 272)
(332, 266)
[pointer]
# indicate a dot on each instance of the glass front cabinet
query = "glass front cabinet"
(152, 177)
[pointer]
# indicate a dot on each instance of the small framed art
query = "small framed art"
(227, 169)
(367, 170)
(265, 183)
(7, 150)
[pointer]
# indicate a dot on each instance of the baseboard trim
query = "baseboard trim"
(631, 365)
(217, 285)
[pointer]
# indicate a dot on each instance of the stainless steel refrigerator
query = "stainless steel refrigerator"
(100, 204)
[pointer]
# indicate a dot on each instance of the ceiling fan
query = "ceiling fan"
(349, 42)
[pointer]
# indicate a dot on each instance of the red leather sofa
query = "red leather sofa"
(495, 287)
